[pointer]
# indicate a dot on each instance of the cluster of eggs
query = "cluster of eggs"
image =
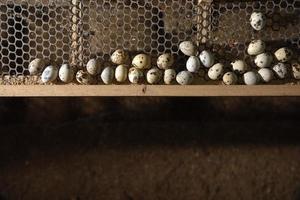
(230, 74)
(135, 71)
(140, 67)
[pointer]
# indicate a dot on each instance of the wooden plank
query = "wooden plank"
(147, 90)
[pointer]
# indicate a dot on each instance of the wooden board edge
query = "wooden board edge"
(146, 90)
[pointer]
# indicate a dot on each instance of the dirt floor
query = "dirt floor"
(150, 148)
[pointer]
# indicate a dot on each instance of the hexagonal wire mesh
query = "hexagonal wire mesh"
(150, 26)
(76, 30)
(31, 29)
(230, 31)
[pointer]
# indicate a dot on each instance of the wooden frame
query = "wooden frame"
(146, 90)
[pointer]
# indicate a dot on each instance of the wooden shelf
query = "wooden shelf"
(146, 90)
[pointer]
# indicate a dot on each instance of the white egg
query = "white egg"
(258, 20)
(256, 47)
(154, 76)
(266, 74)
(165, 61)
(119, 57)
(230, 78)
(108, 75)
(135, 75)
(281, 70)
(121, 73)
(169, 76)
(84, 78)
(185, 78)
(296, 70)
(216, 72)
(283, 55)
(66, 73)
(188, 48)
(193, 64)
(207, 58)
(49, 74)
(239, 66)
(142, 61)
(263, 60)
(93, 67)
(36, 66)
(251, 78)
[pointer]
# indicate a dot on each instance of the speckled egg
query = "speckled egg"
(230, 78)
(258, 21)
(188, 48)
(296, 70)
(216, 72)
(142, 61)
(84, 78)
(135, 75)
(169, 76)
(266, 75)
(251, 78)
(239, 66)
(256, 47)
(93, 67)
(283, 55)
(263, 60)
(193, 64)
(207, 58)
(185, 78)
(165, 61)
(121, 73)
(120, 56)
(36, 66)
(66, 73)
(281, 70)
(154, 76)
(49, 74)
(108, 75)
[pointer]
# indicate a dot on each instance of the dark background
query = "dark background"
(150, 148)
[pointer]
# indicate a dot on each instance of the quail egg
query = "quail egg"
(266, 75)
(256, 47)
(49, 74)
(188, 48)
(36, 66)
(142, 61)
(84, 78)
(207, 58)
(283, 55)
(66, 73)
(135, 75)
(93, 67)
(108, 75)
(281, 70)
(296, 70)
(154, 76)
(169, 76)
(239, 66)
(216, 72)
(121, 73)
(119, 57)
(251, 78)
(258, 21)
(193, 64)
(184, 78)
(263, 60)
(230, 78)
(165, 61)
